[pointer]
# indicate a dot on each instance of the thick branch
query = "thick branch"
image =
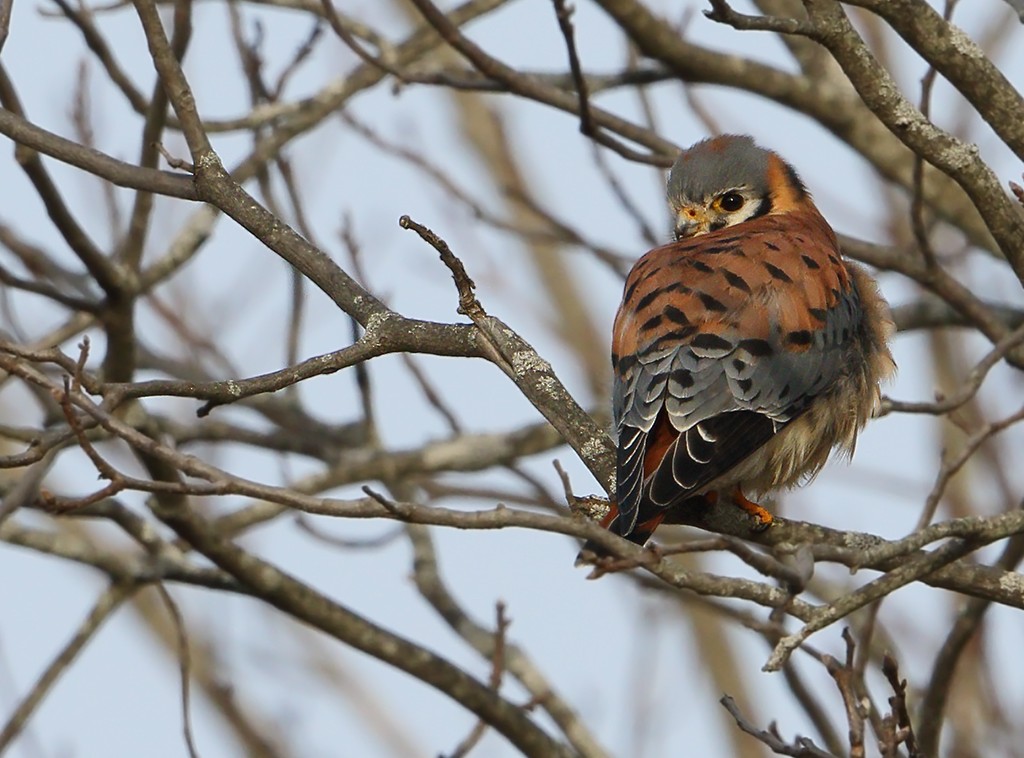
(953, 157)
(122, 174)
(958, 58)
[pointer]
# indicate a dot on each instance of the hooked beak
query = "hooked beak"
(690, 222)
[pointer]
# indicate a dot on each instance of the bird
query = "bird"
(744, 351)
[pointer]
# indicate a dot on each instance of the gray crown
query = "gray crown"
(717, 164)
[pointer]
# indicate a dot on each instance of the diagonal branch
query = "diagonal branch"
(102, 609)
(525, 85)
(953, 157)
(958, 58)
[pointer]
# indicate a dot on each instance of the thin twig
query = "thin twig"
(912, 570)
(532, 88)
(27, 487)
(723, 13)
(803, 747)
(917, 199)
(965, 627)
(952, 465)
(497, 670)
(564, 13)
(362, 369)
(175, 162)
(845, 676)
(302, 54)
(898, 702)
(432, 587)
(1018, 192)
(468, 304)
(341, 29)
(104, 607)
(366, 543)
(185, 665)
(966, 391)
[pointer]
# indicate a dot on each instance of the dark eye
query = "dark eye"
(731, 201)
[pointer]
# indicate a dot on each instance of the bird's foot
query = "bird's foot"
(761, 515)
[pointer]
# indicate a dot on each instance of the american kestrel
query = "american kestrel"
(746, 350)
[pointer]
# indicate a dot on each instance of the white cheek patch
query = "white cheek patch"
(747, 212)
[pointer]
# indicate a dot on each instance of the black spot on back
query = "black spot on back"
(721, 247)
(757, 347)
(809, 262)
(651, 323)
(625, 363)
(736, 280)
(682, 377)
(776, 272)
(641, 264)
(678, 287)
(681, 334)
(711, 303)
(675, 315)
(800, 337)
(649, 298)
(710, 342)
(701, 265)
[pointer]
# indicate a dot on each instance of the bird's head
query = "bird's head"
(727, 180)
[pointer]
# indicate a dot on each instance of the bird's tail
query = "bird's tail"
(642, 530)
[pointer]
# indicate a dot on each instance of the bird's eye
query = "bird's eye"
(731, 201)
